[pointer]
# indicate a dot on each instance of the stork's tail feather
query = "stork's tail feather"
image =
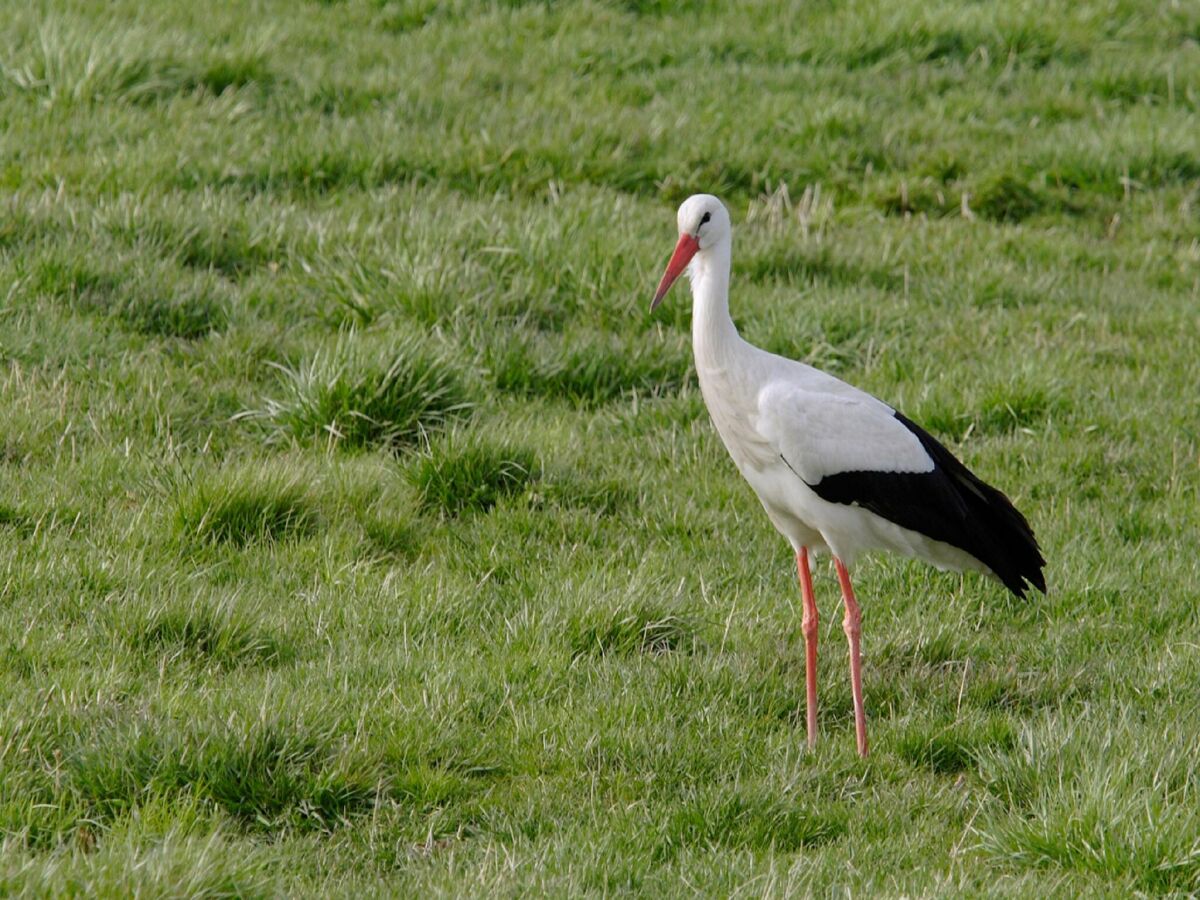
(997, 534)
(1001, 537)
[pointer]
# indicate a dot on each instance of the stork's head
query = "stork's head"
(703, 222)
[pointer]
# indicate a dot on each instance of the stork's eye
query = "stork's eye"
(704, 219)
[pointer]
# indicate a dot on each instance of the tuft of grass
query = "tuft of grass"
(73, 280)
(630, 626)
(1008, 198)
(66, 64)
(355, 398)
(16, 519)
(245, 505)
(232, 71)
(391, 536)
(268, 778)
(955, 747)
(469, 474)
(277, 777)
(213, 633)
(232, 250)
(189, 312)
(357, 294)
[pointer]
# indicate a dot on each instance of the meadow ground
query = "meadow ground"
(360, 532)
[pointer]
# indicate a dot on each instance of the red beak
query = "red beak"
(684, 251)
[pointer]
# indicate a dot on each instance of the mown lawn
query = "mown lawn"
(360, 533)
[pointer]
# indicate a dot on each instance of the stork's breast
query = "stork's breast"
(728, 404)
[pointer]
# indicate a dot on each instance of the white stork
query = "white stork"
(837, 470)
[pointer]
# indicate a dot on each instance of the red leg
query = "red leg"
(808, 624)
(852, 625)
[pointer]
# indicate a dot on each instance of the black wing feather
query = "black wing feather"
(950, 504)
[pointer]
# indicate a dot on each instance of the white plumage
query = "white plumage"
(836, 469)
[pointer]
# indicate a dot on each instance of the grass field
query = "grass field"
(360, 533)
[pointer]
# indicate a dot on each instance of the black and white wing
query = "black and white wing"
(853, 449)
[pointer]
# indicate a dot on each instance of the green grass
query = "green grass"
(361, 533)
(244, 506)
(469, 474)
(210, 633)
(348, 399)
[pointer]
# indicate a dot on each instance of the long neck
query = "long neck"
(713, 332)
